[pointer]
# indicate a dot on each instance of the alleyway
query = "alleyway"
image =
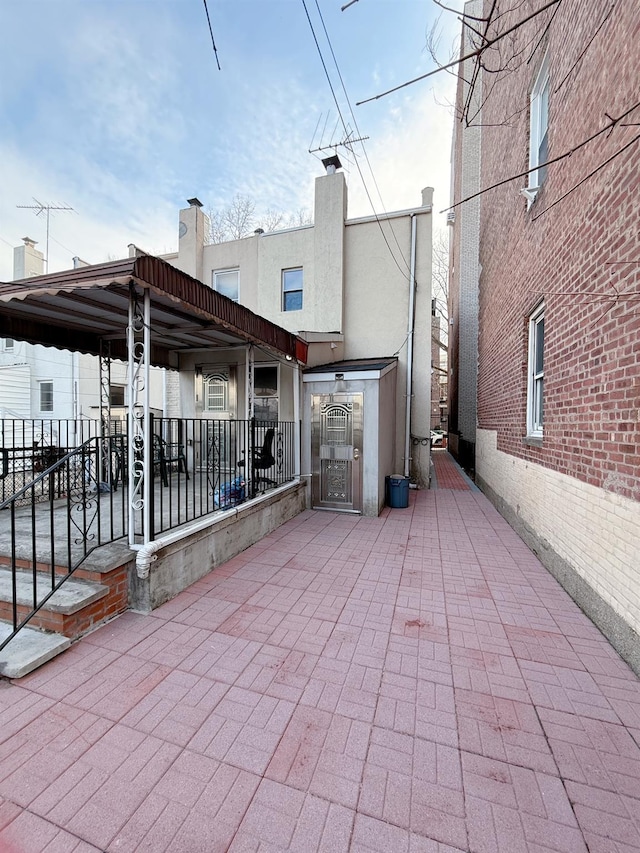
(416, 683)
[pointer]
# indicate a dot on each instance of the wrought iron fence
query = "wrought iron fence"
(76, 499)
(29, 447)
(206, 465)
(43, 544)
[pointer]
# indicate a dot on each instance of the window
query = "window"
(227, 282)
(46, 396)
(535, 391)
(265, 392)
(116, 395)
(539, 127)
(8, 345)
(216, 392)
(292, 290)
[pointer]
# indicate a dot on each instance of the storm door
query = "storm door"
(336, 448)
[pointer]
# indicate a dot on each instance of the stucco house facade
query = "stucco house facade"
(359, 292)
(552, 256)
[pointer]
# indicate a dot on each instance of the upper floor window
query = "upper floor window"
(292, 289)
(46, 396)
(227, 282)
(535, 390)
(539, 127)
(8, 344)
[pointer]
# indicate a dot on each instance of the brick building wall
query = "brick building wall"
(574, 493)
(572, 255)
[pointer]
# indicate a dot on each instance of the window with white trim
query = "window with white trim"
(46, 396)
(539, 127)
(292, 289)
(227, 282)
(8, 345)
(535, 390)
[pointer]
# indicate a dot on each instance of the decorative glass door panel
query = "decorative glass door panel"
(336, 445)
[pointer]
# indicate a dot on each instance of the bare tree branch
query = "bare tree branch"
(609, 126)
(588, 177)
(586, 48)
(473, 53)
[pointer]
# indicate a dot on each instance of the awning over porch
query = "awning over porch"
(76, 309)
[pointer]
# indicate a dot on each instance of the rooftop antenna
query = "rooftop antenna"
(346, 142)
(42, 208)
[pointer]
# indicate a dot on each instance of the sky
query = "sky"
(116, 108)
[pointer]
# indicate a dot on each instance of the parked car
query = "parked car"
(437, 438)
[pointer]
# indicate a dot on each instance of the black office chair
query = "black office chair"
(263, 459)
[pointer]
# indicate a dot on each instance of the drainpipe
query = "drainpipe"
(410, 331)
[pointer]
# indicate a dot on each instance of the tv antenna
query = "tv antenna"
(39, 209)
(346, 142)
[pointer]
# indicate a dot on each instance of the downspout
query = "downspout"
(410, 330)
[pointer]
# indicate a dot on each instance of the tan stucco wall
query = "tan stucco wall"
(377, 309)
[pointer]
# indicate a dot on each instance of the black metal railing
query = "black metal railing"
(44, 544)
(29, 447)
(206, 465)
(80, 501)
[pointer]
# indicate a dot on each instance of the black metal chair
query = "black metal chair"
(167, 452)
(262, 460)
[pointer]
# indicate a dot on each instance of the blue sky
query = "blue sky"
(118, 110)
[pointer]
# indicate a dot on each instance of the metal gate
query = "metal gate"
(336, 450)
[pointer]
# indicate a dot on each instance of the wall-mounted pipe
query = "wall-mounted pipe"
(410, 332)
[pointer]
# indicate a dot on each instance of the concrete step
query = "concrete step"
(65, 611)
(28, 650)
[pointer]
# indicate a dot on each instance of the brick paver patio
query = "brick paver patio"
(416, 683)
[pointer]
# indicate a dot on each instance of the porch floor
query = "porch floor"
(415, 682)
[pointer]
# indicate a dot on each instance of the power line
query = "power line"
(344, 124)
(213, 41)
(364, 150)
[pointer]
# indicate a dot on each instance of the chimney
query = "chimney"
(27, 260)
(193, 233)
(331, 164)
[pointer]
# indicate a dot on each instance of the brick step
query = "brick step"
(71, 611)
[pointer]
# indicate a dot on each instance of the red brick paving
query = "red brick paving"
(448, 474)
(416, 683)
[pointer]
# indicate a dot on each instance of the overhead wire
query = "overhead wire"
(213, 41)
(364, 150)
(344, 124)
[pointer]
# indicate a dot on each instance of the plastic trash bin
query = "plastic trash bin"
(397, 491)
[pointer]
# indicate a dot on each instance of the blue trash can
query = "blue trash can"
(397, 491)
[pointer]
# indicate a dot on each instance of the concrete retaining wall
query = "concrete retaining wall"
(182, 563)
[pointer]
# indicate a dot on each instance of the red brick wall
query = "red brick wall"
(569, 255)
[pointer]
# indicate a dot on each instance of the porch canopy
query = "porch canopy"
(146, 312)
(77, 309)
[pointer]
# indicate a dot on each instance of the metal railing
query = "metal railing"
(44, 544)
(80, 501)
(29, 447)
(206, 465)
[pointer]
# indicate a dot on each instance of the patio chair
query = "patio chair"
(167, 452)
(262, 460)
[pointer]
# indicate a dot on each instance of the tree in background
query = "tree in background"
(239, 219)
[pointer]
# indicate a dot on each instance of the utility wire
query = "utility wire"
(355, 122)
(344, 124)
(213, 41)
